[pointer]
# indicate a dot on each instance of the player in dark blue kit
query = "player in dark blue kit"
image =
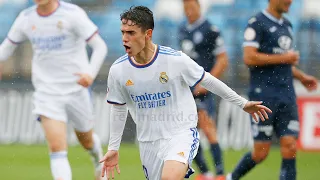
(203, 43)
(268, 51)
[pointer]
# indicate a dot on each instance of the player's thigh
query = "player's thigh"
(182, 149)
(55, 132)
(151, 156)
(50, 110)
(174, 170)
(80, 110)
(287, 122)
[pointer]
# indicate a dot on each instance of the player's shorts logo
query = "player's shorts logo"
(163, 77)
(181, 154)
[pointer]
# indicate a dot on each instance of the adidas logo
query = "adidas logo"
(129, 83)
(181, 154)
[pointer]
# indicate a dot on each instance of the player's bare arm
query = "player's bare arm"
(308, 81)
(220, 66)
(252, 57)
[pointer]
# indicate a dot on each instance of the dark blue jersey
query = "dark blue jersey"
(202, 42)
(270, 36)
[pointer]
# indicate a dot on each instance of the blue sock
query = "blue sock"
(200, 161)
(288, 169)
(217, 158)
(244, 166)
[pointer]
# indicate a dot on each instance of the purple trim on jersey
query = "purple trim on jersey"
(96, 32)
(199, 79)
(13, 42)
(149, 63)
(49, 14)
(111, 102)
(195, 135)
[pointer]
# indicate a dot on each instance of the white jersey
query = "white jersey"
(59, 46)
(157, 94)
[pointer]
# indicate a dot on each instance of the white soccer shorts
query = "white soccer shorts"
(76, 108)
(183, 147)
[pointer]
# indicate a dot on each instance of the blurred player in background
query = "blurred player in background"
(204, 44)
(269, 53)
(153, 82)
(61, 75)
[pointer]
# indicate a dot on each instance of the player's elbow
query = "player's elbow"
(249, 59)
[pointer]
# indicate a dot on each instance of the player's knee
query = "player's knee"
(56, 146)
(168, 177)
(86, 142)
(260, 155)
(289, 149)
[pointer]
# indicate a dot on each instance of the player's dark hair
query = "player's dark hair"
(139, 15)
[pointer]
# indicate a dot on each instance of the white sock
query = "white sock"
(60, 167)
(96, 151)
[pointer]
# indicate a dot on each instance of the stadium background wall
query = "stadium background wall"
(19, 125)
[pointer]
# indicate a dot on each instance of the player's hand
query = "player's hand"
(110, 161)
(293, 57)
(309, 82)
(198, 90)
(255, 108)
(85, 80)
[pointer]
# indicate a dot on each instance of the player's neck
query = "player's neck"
(274, 13)
(195, 19)
(146, 54)
(47, 9)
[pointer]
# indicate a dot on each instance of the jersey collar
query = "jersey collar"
(154, 57)
(197, 23)
(272, 18)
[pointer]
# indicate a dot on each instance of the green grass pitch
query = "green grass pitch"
(19, 162)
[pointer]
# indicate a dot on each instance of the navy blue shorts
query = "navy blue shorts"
(283, 120)
(206, 103)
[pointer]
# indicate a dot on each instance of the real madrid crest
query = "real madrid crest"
(60, 25)
(163, 77)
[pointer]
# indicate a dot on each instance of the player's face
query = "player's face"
(41, 2)
(133, 37)
(191, 10)
(283, 5)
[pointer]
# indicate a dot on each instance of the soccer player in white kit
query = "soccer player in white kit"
(61, 75)
(153, 82)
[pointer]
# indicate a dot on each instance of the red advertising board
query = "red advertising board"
(309, 116)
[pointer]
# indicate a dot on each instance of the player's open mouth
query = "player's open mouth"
(127, 48)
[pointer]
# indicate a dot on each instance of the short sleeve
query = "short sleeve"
(219, 46)
(83, 26)
(114, 95)
(16, 34)
(191, 72)
(253, 33)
